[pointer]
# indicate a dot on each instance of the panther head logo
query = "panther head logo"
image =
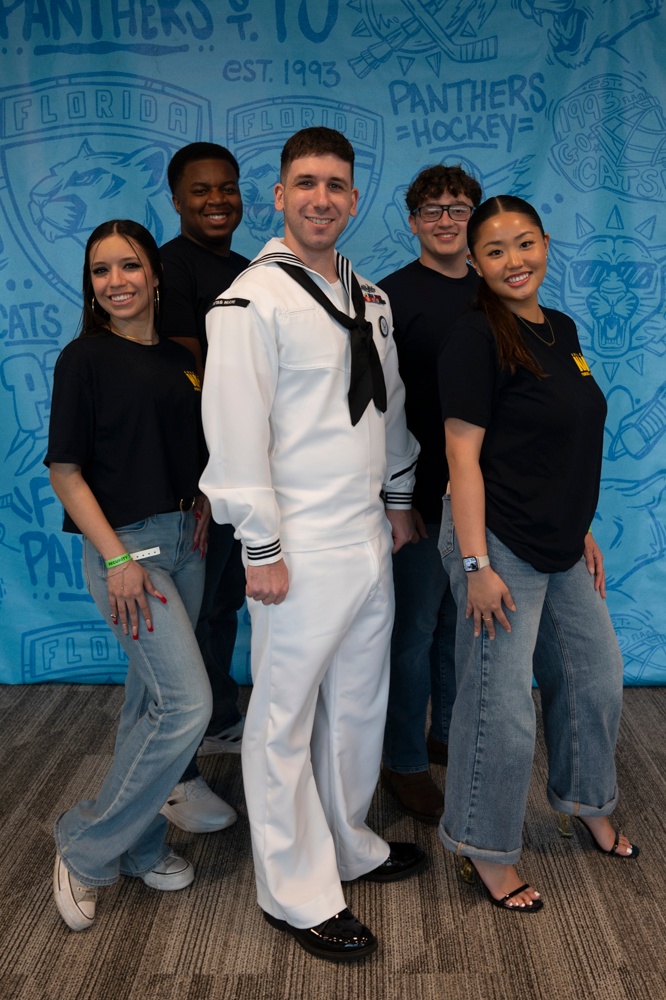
(82, 192)
(613, 285)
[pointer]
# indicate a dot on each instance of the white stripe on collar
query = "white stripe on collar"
(342, 264)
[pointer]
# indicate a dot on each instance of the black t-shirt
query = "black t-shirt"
(542, 450)
(193, 277)
(425, 304)
(130, 416)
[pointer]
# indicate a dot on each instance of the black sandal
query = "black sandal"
(502, 903)
(635, 851)
(469, 874)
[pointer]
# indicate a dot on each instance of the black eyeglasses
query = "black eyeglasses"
(432, 213)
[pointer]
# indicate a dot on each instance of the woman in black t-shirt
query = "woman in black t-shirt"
(524, 428)
(125, 455)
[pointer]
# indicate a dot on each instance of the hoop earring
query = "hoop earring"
(92, 304)
(157, 301)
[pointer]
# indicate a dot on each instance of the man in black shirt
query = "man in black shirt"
(198, 265)
(427, 297)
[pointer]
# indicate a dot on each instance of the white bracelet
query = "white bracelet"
(145, 553)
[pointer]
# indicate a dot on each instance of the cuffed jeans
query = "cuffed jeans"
(562, 630)
(166, 710)
(422, 655)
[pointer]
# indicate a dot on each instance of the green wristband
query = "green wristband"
(110, 563)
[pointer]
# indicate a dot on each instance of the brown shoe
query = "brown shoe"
(417, 794)
(438, 753)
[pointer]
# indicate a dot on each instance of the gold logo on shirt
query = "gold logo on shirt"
(194, 379)
(582, 364)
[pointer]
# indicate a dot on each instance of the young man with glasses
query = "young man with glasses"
(427, 296)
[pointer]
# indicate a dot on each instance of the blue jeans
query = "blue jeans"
(562, 630)
(166, 710)
(422, 655)
(223, 596)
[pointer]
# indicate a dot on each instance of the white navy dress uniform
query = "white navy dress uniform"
(298, 481)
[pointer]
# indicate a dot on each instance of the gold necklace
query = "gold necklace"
(147, 343)
(548, 343)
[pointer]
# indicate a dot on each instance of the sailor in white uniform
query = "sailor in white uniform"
(312, 462)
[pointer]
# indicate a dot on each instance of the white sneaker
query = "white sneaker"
(194, 807)
(75, 901)
(228, 741)
(172, 873)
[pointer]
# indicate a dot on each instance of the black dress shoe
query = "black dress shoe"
(403, 861)
(341, 938)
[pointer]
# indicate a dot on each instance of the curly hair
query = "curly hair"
(432, 182)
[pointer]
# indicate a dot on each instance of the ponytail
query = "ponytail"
(511, 349)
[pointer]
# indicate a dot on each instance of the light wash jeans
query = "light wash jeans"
(166, 710)
(422, 655)
(562, 630)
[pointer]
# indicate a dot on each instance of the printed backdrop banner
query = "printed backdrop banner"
(561, 103)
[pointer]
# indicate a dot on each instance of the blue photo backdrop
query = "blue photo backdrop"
(559, 102)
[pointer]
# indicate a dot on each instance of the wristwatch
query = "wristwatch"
(472, 563)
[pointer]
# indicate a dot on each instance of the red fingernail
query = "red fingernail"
(197, 515)
(163, 600)
(150, 628)
(135, 636)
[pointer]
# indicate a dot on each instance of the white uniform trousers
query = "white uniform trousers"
(313, 735)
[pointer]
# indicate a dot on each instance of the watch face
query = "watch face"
(470, 564)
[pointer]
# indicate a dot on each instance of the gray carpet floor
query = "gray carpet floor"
(601, 934)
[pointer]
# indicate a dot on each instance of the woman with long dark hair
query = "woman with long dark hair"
(524, 425)
(125, 454)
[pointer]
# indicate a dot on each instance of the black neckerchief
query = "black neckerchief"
(367, 376)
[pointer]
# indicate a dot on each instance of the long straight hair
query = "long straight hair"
(94, 319)
(511, 347)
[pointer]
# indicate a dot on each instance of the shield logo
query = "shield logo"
(81, 149)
